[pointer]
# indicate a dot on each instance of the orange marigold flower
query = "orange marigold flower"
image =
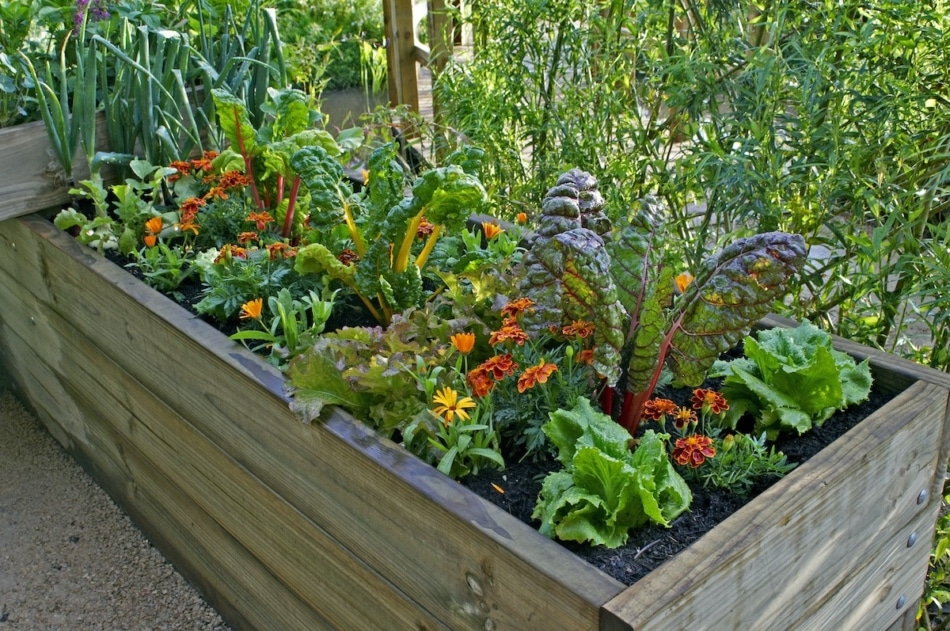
(191, 205)
(709, 400)
(480, 382)
(508, 332)
(516, 307)
(188, 226)
(450, 404)
(209, 155)
(347, 257)
(491, 229)
(260, 219)
(244, 237)
(463, 342)
(586, 356)
(233, 179)
(277, 249)
(425, 229)
(683, 417)
(499, 366)
(150, 240)
(229, 251)
(252, 310)
(201, 164)
(535, 374)
(580, 328)
(183, 168)
(693, 450)
(682, 281)
(656, 409)
(521, 218)
(216, 191)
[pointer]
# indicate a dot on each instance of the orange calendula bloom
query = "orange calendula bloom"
(656, 409)
(516, 307)
(499, 366)
(693, 450)
(449, 404)
(535, 374)
(683, 417)
(480, 382)
(521, 218)
(709, 400)
(252, 310)
(260, 219)
(682, 281)
(491, 229)
(150, 240)
(580, 328)
(509, 332)
(463, 342)
(154, 225)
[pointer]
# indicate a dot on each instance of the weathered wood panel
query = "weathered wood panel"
(824, 548)
(457, 556)
(31, 178)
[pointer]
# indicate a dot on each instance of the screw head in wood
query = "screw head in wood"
(901, 601)
(922, 497)
(912, 539)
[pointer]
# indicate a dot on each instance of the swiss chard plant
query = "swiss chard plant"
(284, 156)
(791, 380)
(604, 489)
(384, 225)
(621, 279)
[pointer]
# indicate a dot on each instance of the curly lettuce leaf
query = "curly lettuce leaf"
(791, 379)
(605, 490)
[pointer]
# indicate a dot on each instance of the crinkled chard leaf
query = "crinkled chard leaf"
(644, 281)
(731, 292)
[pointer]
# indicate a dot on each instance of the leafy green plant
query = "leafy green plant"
(622, 282)
(741, 462)
(791, 379)
(384, 224)
(294, 326)
(605, 489)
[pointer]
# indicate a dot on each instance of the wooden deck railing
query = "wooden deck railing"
(406, 54)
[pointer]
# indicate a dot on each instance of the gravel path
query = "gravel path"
(69, 558)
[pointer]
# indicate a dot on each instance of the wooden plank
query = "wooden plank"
(31, 178)
(204, 552)
(853, 500)
(288, 545)
(484, 567)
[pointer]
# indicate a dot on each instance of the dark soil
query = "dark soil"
(649, 547)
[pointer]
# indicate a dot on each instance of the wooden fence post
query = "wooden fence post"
(400, 53)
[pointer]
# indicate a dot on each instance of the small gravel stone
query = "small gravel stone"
(69, 558)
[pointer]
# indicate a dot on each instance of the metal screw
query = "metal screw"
(901, 601)
(922, 497)
(32, 320)
(912, 539)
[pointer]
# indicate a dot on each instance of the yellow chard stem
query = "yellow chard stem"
(402, 259)
(430, 245)
(354, 231)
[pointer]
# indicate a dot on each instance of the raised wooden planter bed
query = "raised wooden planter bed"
(289, 526)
